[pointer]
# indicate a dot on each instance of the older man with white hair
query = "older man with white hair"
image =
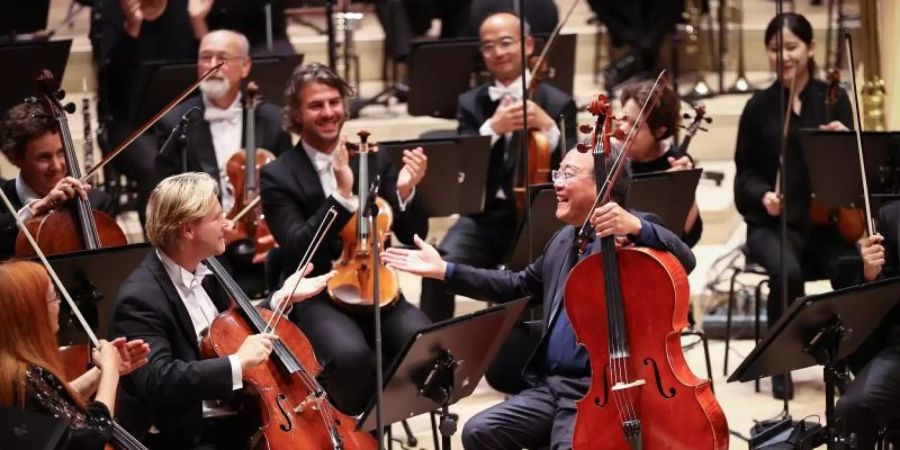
(218, 130)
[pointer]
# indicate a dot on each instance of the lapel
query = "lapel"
(559, 284)
(177, 305)
(305, 175)
(9, 188)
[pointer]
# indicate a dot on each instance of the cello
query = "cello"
(122, 440)
(243, 177)
(295, 410)
(64, 230)
(353, 285)
(642, 394)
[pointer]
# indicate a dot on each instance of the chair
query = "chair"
(752, 268)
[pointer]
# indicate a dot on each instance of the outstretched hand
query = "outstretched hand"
(424, 262)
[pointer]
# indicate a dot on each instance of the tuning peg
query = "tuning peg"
(69, 108)
(685, 116)
(703, 129)
(707, 119)
(586, 129)
(31, 100)
(581, 147)
(59, 94)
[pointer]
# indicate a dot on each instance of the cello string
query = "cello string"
(51, 272)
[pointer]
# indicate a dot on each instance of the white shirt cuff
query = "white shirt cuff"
(25, 212)
(237, 374)
(350, 205)
(487, 130)
(402, 203)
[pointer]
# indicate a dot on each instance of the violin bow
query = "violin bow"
(792, 95)
(311, 250)
(870, 226)
(146, 126)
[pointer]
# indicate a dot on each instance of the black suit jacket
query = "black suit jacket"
(201, 154)
(168, 391)
(888, 333)
(295, 204)
(475, 106)
(9, 231)
(546, 276)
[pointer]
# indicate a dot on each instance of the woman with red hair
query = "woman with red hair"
(31, 371)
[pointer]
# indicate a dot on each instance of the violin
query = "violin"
(77, 226)
(538, 159)
(849, 221)
(249, 225)
(122, 440)
(642, 392)
(353, 284)
(696, 125)
(295, 410)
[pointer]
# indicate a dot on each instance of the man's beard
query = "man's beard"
(215, 88)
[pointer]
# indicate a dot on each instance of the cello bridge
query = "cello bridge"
(623, 386)
(311, 399)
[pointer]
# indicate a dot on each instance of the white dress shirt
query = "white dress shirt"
(27, 196)
(514, 91)
(202, 311)
(324, 165)
(226, 127)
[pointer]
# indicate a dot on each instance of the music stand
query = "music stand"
(821, 330)
(544, 225)
(26, 17)
(645, 193)
(25, 430)
(93, 278)
(830, 153)
(456, 66)
(160, 81)
(442, 364)
(457, 172)
(20, 62)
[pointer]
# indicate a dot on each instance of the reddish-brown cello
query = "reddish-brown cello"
(642, 395)
(295, 410)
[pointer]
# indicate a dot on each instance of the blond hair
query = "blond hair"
(177, 200)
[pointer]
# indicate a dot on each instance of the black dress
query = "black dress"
(815, 252)
(692, 236)
(88, 429)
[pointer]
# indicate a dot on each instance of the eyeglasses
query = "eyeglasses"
(504, 44)
(559, 176)
(208, 58)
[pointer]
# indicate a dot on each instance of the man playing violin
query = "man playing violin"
(168, 302)
(495, 109)
(559, 370)
(652, 149)
(31, 142)
(298, 189)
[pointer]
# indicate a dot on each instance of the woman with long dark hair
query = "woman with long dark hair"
(813, 251)
(31, 370)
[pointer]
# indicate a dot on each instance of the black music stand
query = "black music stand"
(457, 172)
(680, 188)
(833, 153)
(544, 225)
(25, 430)
(26, 18)
(20, 62)
(442, 364)
(456, 66)
(93, 278)
(161, 81)
(819, 330)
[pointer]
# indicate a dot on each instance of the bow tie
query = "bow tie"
(217, 115)
(513, 91)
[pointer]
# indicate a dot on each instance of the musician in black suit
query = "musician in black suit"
(297, 191)
(869, 403)
(492, 109)
(559, 370)
(216, 131)
(168, 301)
(31, 141)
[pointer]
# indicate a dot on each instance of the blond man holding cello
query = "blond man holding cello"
(168, 303)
